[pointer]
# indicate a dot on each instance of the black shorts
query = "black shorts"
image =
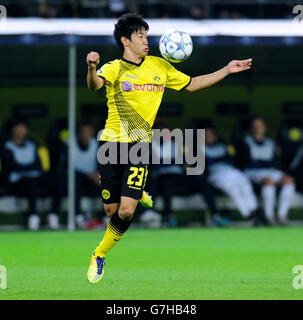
(118, 180)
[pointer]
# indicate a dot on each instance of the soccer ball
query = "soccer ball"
(175, 45)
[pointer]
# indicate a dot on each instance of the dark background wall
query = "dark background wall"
(39, 76)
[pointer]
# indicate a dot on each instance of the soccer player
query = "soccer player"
(134, 89)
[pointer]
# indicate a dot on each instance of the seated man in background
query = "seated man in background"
(87, 176)
(223, 175)
(21, 164)
(171, 176)
(165, 175)
(261, 168)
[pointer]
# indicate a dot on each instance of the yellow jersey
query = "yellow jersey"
(134, 93)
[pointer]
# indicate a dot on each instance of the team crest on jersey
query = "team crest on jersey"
(156, 77)
(105, 194)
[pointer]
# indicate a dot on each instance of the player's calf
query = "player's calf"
(115, 230)
(111, 209)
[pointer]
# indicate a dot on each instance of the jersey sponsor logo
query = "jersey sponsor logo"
(148, 87)
(126, 86)
(105, 194)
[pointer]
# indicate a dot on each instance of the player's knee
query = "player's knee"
(110, 210)
(125, 213)
(268, 181)
(287, 180)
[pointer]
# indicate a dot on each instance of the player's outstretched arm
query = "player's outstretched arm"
(93, 81)
(207, 80)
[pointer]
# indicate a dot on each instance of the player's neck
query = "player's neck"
(18, 141)
(130, 56)
(258, 137)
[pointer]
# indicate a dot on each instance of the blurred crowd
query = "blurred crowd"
(150, 9)
(257, 173)
(28, 172)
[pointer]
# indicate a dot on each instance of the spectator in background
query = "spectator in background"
(261, 168)
(21, 163)
(296, 168)
(171, 176)
(48, 11)
(117, 8)
(198, 12)
(166, 175)
(224, 176)
(87, 176)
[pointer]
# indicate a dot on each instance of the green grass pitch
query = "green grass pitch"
(192, 263)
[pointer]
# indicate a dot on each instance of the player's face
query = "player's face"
(139, 43)
(210, 136)
(258, 128)
(19, 131)
(86, 133)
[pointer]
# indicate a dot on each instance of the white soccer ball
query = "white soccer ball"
(175, 45)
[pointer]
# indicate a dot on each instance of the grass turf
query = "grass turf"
(199, 263)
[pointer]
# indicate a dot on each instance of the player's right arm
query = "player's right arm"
(93, 81)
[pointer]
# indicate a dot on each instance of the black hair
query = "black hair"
(210, 127)
(15, 122)
(257, 117)
(85, 123)
(127, 24)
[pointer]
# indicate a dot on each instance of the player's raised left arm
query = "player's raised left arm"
(207, 80)
(93, 81)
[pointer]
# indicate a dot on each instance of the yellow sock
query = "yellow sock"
(115, 229)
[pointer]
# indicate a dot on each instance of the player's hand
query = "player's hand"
(239, 65)
(93, 59)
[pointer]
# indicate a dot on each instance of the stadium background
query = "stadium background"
(32, 69)
(167, 263)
